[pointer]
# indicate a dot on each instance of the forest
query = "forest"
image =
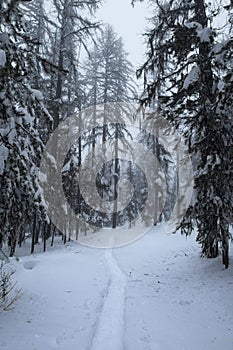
(59, 65)
(98, 153)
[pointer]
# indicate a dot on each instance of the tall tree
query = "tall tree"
(108, 79)
(197, 77)
(67, 31)
(74, 27)
(108, 72)
(21, 108)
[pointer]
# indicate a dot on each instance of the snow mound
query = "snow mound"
(30, 264)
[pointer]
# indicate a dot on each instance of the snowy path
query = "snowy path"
(154, 294)
(109, 333)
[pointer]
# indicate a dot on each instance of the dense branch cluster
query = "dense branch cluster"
(188, 73)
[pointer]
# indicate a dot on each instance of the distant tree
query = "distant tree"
(73, 28)
(107, 75)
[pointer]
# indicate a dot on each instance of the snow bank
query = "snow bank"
(2, 58)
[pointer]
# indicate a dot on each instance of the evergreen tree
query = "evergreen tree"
(66, 32)
(108, 73)
(196, 75)
(107, 76)
(21, 108)
(73, 28)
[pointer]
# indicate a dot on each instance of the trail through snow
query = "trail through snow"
(154, 294)
(109, 333)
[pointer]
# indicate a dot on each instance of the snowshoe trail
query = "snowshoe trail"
(109, 330)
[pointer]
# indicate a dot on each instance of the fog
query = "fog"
(128, 22)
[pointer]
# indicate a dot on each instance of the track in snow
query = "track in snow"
(109, 331)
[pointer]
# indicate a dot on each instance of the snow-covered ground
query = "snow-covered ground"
(154, 294)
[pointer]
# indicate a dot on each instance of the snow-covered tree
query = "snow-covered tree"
(196, 75)
(109, 80)
(21, 108)
(108, 72)
(73, 28)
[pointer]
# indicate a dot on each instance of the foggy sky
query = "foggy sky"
(127, 22)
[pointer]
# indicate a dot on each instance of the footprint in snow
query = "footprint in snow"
(29, 265)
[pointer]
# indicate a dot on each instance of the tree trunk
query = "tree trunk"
(224, 227)
(53, 235)
(77, 229)
(21, 236)
(12, 242)
(33, 234)
(44, 236)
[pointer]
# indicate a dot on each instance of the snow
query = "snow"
(193, 25)
(66, 167)
(52, 160)
(2, 58)
(37, 94)
(192, 77)
(109, 333)
(205, 35)
(154, 294)
(221, 85)
(64, 207)
(26, 116)
(42, 177)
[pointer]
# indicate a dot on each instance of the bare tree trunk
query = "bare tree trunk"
(37, 232)
(116, 171)
(224, 227)
(77, 229)
(33, 234)
(12, 242)
(53, 235)
(21, 236)
(44, 236)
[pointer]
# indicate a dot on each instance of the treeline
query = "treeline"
(188, 74)
(45, 77)
(43, 81)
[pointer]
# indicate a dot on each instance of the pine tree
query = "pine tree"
(73, 28)
(107, 76)
(114, 85)
(108, 73)
(197, 78)
(21, 108)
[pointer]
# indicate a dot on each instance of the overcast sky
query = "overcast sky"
(129, 23)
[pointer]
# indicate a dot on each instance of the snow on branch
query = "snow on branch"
(192, 77)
